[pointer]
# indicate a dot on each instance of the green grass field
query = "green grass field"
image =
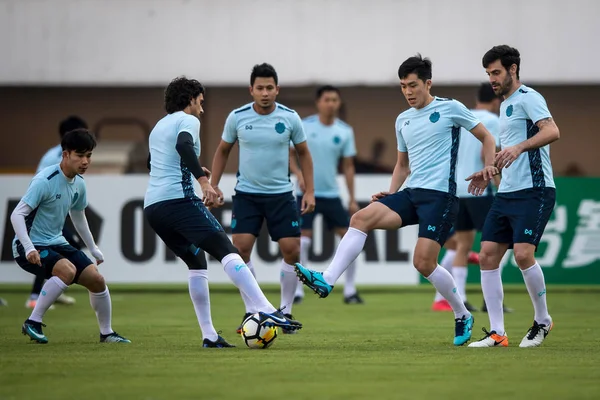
(390, 348)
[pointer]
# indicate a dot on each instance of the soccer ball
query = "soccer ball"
(257, 336)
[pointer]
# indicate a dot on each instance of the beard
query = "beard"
(506, 85)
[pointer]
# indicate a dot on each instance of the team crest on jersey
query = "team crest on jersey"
(509, 110)
(435, 117)
(336, 140)
(75, 197)
(280, 127)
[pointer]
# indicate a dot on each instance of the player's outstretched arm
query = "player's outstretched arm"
(306, 165)
(295, 169)
(548, 133)
(83, 229)
(17, 219)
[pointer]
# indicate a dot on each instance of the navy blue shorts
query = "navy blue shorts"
(434, 211)
(472, 212)
(49, 256)
(182, 223)
(279, 210)
(334, 213)
(519, 217)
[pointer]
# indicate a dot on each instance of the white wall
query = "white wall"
(148, 42)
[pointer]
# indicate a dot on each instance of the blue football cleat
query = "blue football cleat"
(33, 329)
(217, 344)
(113, 338)
(313, 280)
(462, 330)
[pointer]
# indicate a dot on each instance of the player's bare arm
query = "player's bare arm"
(401, 172)
(548, 133)
(295, 169)
(306, 165)
(218, 167)
(488, 150)
(349, 174)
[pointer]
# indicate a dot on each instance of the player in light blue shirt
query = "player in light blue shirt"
(54, 157)
(525, 199)
(181, 219)
(263, 130)
(41, 249)
(329, 141)
(472, 209)
(428, 137)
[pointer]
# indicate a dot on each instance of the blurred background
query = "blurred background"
(110, 64)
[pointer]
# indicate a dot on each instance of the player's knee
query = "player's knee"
(65, 271)
(424, 264)
(487, 259)
(524, 257)
(96, 283)
(291, 253)
(361, 220)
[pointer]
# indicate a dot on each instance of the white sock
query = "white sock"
(534, 280)
(242, 278)
(447, 265)
(289, 281)
(350, 247)
(198, 287)
(305, 243)
(250, 308)
(51, 290)
(460, 277)
(444, 283)
(102, 306)
(349, 285)
(493, 294)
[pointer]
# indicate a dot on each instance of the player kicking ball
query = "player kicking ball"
(525, 198)
(41, 249)
(428, 135)
(181, 219)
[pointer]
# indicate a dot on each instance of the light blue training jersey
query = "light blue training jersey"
(51, 157)
(519, 114)
(431, 136)
(51, 195)
(264, 147)
(470, 158)
(169, 177)
(327, 144)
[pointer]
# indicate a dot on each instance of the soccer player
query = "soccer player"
(329, 140)
(54, 157)
(182, 220)
(428, 135)
(41, 249)
(263, 130)
(525, 198)
(472, 210)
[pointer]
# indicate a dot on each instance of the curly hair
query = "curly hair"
(180, 93)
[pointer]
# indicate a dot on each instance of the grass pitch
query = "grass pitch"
(392, 347)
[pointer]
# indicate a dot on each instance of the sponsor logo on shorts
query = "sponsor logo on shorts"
(295, 224)
(528, 232)
(431, 228)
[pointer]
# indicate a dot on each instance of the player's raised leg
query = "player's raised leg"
(374, 216)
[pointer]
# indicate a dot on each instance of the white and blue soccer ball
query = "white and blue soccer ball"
(257, 336)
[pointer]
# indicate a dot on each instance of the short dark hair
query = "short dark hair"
(71, 123)
(327, 88)
(180, 92)
(506, 54)
(418, 65)
(486, 94)
(78, 140)
(263, 70)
